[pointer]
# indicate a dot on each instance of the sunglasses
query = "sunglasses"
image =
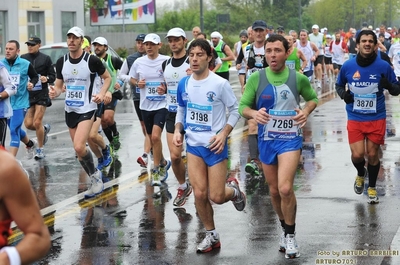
(31, 44)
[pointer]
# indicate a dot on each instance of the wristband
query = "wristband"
(12, 254)
(120, 82)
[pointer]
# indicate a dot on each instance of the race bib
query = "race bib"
(199, 117)
(15, 79)
(75, 96)
(38, 85)
(291, 64)
(281, 125)
(151, 91)
(172, 100)
(364, 103)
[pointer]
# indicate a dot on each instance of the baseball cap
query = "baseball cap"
(259, 24)
(77, 31)
(33, 40)
(85, 43)
(152, 37)
(101, 41)
(328, 36)
(280, 28)
(176, 32)
(389, 28)
(315, 26)
(140, 37)
(370, 27)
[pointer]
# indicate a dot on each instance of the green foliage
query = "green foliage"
(122, 52)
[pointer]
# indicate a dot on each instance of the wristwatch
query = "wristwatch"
(1, 97)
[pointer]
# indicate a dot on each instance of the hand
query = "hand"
(30, 86)
(261, 116)
(348, 97)
(117, 86)
(53, 93)
(162, 89)
(141, 83)
(43, 79)
(107, 97)
(97, 98)
(177, 139)
(189, 71)
(384, 83)
(238, 66)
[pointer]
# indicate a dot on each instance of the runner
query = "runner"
(174, 70)
(107, 119)
(310, 51)
(279, 149)
(296, 59)
(338, 48)
(39, 96)
(237, 47)
(7, 89)
(124, 76)
(318, 39)
(203, 99)
(224, 52)
(78, 71)
(24, 77)
(146, 73)
(19, 204)
(328, 60)
(366, 76)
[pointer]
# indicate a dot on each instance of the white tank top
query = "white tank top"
(172, 76)
(308, 53)
(337, 53)
(79, 82)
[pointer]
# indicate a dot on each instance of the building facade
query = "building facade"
(47, 19)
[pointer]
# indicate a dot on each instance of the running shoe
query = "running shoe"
(100, 163)
(96, 185)
(239, 201)
(359, 182)
(372, 196)
(47, 129)
(107, 158)
(252, 168)
(155, 178)
(209, 243)
(292, 250)
(282, 242)
(30, 150)
(143, 160)
(39, 154)
(164, 170)
(182, 195)
(116, 144)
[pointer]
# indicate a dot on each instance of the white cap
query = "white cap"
(315, 26)
(101, 41)
(389, 28)
(152, 37)
(77, 31)
(328, 36)
(176, 32)
(216, 34)
(377, 29)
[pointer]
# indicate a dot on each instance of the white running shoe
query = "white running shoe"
(30, 150)
(39, 154)
(96, 185)
(282, 242)
(292, 250)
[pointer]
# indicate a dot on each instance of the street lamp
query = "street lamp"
(201, 16)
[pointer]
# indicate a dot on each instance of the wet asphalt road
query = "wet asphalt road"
(134, 223)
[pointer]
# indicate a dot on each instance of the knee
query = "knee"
(175, 158)
(218, 197)
(155, 138)
(37, 123)
(274, 192)
(286, 191)
(200, 195)
(29, 124)
(80, 149)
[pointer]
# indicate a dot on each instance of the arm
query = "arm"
(51, 74)
(123, 73)
(9, 88)
(229, 54)
(19, 203)
(218, 64)
(55, 91)
(33, 75)
(316, 51)
(239, 59)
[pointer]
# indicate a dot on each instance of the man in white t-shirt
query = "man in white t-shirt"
(394, 54)
(146, 73)
(203, 99)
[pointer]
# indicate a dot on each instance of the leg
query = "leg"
(38, 124)
(176, 159)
